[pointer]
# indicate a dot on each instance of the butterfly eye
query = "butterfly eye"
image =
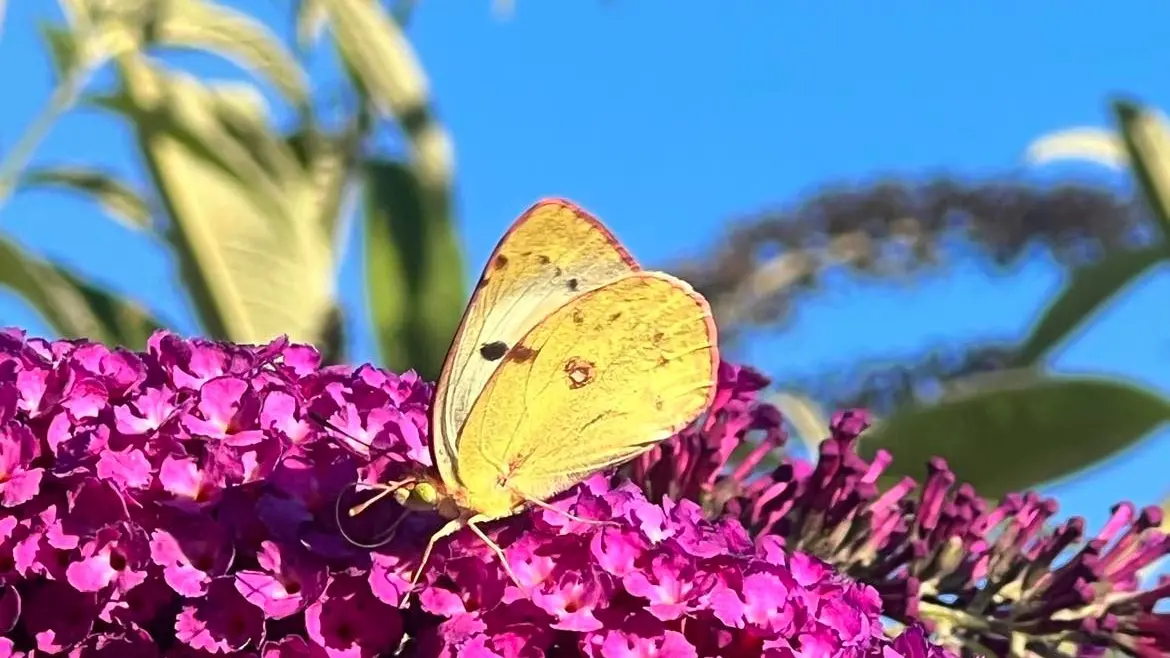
(426, 493)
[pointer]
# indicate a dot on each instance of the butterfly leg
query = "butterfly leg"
(473, 523)
(451, 528)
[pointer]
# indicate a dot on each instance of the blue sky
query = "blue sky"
(667, 119)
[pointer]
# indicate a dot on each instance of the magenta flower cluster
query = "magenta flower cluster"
(180, 502)
(1005, 577)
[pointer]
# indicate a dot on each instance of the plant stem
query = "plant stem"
(63, 98)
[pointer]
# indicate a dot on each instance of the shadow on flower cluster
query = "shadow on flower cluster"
(178, 503)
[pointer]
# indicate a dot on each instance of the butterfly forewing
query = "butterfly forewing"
(553, 253)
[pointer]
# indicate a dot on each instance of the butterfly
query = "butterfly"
(569, 360)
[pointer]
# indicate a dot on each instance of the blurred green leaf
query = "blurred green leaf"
(126, 323)
(85, 14)
(381, 59)
(1147, 141)
(311, 20)
(161, 114)
(1019, 433)
(1088, 289)
(371, 42)
(232, 34)
(76, 55)
(118, 198)
(209, 122)
(328, 162)
(255, 265)
(402, 10)
(73, 308)
(414, 264)
(100, 30)
(414, 270)
(62, 49)
(1097, 145)
(242, 113)
(74, 10)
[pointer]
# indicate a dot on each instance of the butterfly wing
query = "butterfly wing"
(554, 252)
(600, 380)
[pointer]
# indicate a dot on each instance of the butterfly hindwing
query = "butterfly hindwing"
(598, 381)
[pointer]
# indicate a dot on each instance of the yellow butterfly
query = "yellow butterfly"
(570, 359)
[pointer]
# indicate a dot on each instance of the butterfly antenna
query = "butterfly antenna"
(325, 423)
(388, 534)
(386, 490)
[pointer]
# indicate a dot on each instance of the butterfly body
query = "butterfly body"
(430, 494)
(570, 359)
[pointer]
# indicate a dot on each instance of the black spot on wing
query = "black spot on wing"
(493, 351)
(572, 283)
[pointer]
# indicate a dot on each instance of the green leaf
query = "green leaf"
(62, 48)
(1020, 431)
(1103, 147)
(328, 162)
(100, 30)
(373, 44)
(311, 20)
(241, 112)
(222, 124)
(1089, 288)
(234, 35)
(161, 114)
(255, 264)
(72, 307)
(402, 11)
(375, 50)
(118, 198)
(414, 270)
(126, 323)
(76, 11)
(1147, 140)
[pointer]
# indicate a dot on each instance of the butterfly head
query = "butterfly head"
(428, 495)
